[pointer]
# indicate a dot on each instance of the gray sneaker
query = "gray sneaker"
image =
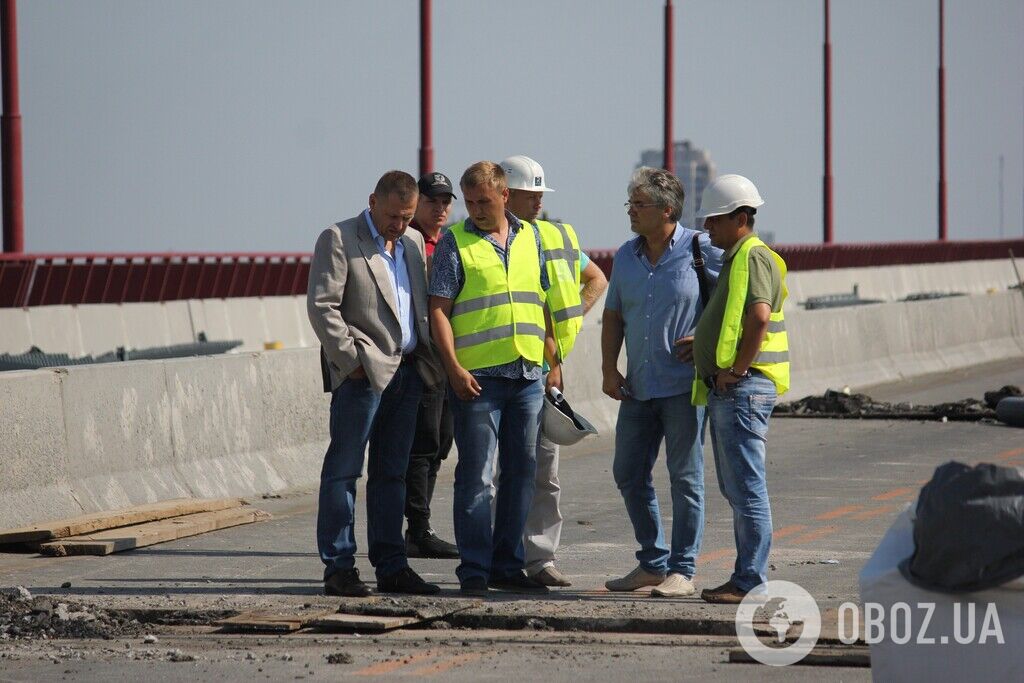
(638, 578)
(550, 576)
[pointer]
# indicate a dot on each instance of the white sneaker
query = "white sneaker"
(638, 578)
(674, 586)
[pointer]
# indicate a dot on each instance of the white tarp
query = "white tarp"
(983, 658)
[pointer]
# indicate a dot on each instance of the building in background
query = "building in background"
(694, 168)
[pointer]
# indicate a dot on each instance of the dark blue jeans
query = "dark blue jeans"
(502, 422)
(387, 421)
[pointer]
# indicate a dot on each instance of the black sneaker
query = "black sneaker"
(428, 545)
(518, 583)
(474, 585)
(346, 582)
(406, 581)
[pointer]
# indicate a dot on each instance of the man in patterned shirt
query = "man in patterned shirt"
(492, 329)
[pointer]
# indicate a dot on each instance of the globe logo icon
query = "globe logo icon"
(788, 616)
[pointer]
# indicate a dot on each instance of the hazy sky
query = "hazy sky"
(249, 125)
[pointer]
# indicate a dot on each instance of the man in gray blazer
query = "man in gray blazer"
(367, 304)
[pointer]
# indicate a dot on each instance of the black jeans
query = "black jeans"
(431, 444)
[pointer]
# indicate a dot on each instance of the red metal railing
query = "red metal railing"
(47, 279)
(828, 256)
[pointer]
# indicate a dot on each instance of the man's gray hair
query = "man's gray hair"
(661, 187)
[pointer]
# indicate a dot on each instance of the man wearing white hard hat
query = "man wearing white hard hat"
(741, 354)
(568, 269)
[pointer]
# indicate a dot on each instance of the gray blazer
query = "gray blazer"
(352, 307)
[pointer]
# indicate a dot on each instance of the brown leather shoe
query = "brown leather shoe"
(550, 576)
(726, 594)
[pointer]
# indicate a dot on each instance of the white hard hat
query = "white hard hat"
(726, 193)
(560, 424)
(524, 173)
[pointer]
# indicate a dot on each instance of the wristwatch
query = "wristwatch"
(739, 375)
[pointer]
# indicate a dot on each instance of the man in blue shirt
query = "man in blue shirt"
(653, 304)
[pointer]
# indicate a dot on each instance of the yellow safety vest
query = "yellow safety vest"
(773, 357)
(499, 314)
(562, 255)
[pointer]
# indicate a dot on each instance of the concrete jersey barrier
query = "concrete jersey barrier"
(89, 438)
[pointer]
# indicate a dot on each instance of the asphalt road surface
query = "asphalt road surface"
(835, 488)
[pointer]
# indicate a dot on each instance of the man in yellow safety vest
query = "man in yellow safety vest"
(741, 355)
(568, 268)
(492, 328)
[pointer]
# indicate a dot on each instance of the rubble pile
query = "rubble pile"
(23, 616)
(839, 404)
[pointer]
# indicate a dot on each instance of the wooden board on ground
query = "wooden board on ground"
(263, 622)
(819, 656)
(360, 623)
(150, 533)
(111, 519)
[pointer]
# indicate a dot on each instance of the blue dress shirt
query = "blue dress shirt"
(400, 285)
(658, 305)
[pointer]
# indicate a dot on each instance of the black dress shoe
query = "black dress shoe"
(474, 585)
(347, 583)
(518, 583)
(428, 545)
(406, 581)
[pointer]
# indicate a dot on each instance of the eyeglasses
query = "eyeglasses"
(639, 205)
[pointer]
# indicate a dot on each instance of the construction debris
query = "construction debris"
(44, 617)
(840, 405)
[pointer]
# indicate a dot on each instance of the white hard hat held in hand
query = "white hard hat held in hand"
(523, 173)
(560, 424)
(726, 193)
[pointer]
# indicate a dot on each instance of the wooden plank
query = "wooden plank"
(363, 623)
(853, 656)
(262, 622)
(112, 519)
(150, 533)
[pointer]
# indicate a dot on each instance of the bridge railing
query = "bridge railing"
(48, 279)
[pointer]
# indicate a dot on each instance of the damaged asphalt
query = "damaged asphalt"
(835, 487)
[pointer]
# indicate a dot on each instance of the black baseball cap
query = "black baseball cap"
(435, 185)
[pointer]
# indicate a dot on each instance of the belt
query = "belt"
(709, 382)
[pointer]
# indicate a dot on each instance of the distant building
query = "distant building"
(694, 168)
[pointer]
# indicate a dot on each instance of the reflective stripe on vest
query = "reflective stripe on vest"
(773, 357)
(562, 256)
(498, 316)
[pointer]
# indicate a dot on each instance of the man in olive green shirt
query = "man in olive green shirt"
(740, 398)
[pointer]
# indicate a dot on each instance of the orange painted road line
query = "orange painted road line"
(814, 535)
(876, 512)
(787, 531)
(387, 667)
(838, 512)
(445, 664)
(896, 493)
(1006, 455)
(707, 558)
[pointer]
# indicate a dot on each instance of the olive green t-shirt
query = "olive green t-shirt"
(765, 285)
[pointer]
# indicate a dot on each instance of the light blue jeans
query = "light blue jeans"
(739, 429)
(501, 424)
(641, 427)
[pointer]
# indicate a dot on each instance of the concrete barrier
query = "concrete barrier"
(91, 438)
(88, 438)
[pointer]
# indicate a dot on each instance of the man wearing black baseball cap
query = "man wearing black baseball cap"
(434, 429)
